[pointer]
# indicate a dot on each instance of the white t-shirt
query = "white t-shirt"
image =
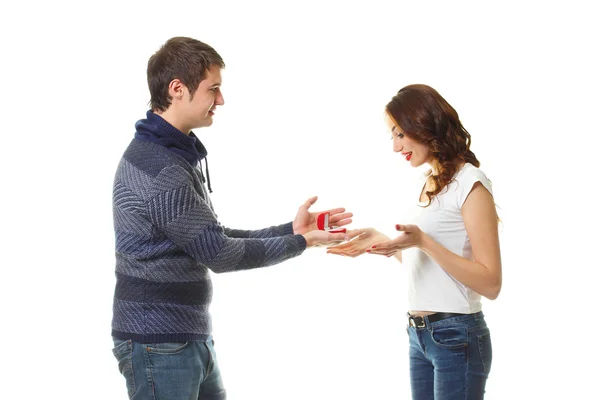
(430, 287)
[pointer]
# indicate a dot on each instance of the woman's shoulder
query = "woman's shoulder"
(468, 175)
(468, 171)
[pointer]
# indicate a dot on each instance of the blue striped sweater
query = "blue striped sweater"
(167, 237)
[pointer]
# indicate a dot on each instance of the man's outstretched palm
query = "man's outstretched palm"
(306, 221)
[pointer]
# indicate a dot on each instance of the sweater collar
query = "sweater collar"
(155, 129)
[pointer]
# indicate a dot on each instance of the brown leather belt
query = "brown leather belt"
(419, 322)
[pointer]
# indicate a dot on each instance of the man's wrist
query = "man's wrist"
(301, 231)
(307, 240)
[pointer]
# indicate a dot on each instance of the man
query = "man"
(168, 236)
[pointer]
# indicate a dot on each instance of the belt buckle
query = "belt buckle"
(412, 322)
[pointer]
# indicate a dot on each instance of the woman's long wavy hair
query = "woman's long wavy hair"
(426, 117)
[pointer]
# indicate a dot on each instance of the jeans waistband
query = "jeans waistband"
(423, 322)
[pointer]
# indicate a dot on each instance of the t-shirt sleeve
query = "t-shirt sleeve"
(466, 183)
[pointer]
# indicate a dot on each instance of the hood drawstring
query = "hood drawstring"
(207, 179)
(207, 175)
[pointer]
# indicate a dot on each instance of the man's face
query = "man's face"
(200, 110)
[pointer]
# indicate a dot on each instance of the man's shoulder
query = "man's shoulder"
(153, 159)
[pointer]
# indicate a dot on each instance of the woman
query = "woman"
(451, 251)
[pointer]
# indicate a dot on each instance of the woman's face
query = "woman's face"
(414, 152)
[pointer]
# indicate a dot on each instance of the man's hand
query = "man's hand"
(306, 221)
(363, 239)
(323, 238)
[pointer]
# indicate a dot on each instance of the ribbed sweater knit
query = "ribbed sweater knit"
(167, 238)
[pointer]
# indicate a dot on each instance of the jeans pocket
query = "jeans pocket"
(484, 342)
(123, 352)
(166, 347)
(450, 337)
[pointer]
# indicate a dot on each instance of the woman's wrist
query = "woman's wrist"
(424, 243)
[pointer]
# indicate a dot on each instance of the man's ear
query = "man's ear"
(176, 89)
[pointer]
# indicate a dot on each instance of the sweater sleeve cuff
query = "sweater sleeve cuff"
(288, 229)
(299, 242)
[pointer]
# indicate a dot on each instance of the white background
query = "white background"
(305, 86)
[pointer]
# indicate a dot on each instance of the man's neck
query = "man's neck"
(172, 119)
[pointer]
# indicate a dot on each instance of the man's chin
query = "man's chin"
(206, 123)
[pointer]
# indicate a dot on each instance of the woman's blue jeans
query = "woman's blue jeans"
(170, 371)
(450, 359)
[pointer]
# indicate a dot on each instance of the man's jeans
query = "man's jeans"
(450, 359)
(170, 371)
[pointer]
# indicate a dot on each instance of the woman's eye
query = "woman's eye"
(401, 135)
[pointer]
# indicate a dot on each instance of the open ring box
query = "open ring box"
(323, 224)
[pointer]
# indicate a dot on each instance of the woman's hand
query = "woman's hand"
(362, 239)
(411, 237)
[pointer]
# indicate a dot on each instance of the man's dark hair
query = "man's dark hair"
(183, 58)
